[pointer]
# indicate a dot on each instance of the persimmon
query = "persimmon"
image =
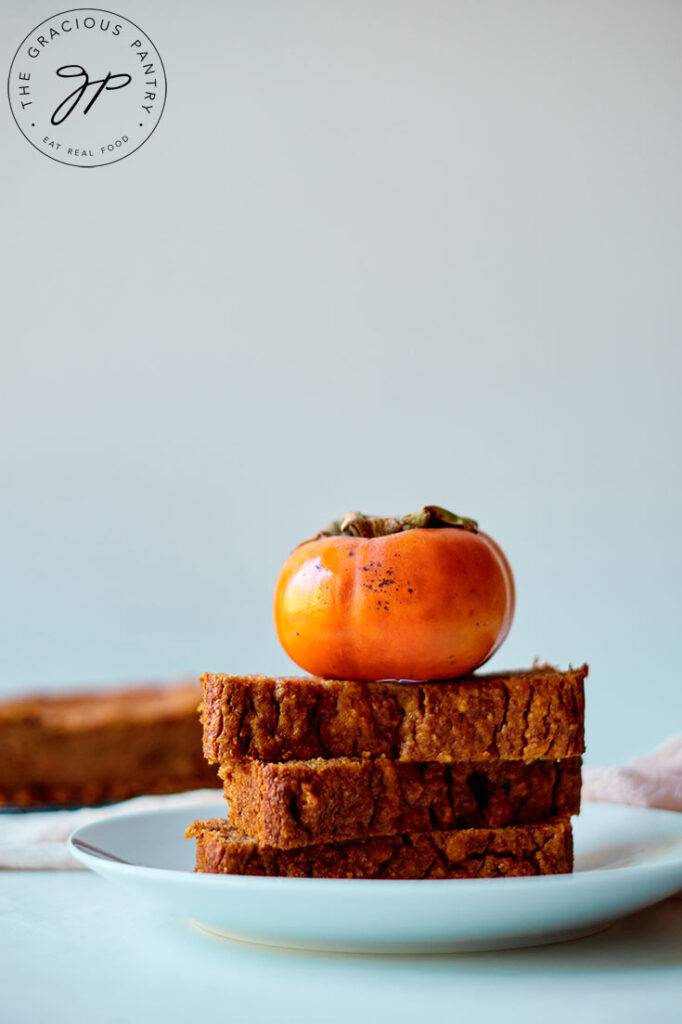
(426, 596)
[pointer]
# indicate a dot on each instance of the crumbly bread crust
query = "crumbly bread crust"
(472, 853)
(90, 748)
(517, 716)
(299, 803)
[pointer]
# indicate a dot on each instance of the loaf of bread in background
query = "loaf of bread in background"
(84, 749)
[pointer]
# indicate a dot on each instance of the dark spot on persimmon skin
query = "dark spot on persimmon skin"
(410, 590)
(318, 566)
(386, 582)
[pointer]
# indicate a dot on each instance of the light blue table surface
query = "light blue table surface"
(74, 948)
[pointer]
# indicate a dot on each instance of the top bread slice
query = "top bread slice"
(517, 716)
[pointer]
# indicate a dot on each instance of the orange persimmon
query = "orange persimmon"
(427, 596)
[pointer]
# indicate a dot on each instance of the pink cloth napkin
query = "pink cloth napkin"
(651, 781)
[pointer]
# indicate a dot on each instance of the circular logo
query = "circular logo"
(87, 87)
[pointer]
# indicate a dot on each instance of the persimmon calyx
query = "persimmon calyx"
(355, 524)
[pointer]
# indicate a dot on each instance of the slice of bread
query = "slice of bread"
(511, 716)
(95, 747)
(300, 803)
(471, 853)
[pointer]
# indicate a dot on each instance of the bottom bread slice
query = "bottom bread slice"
(545, 849)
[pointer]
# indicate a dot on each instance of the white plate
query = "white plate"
(627, 858)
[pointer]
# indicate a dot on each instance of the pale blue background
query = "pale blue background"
(377, 254)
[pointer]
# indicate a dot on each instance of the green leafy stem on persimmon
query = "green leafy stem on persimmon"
(355, 524)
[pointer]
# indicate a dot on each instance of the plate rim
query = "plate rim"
(595, 875)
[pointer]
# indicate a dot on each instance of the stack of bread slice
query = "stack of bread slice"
(474, 777)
